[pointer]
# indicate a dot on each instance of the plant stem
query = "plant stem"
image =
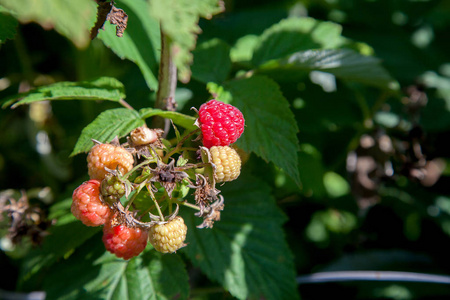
(138, 190)
(185, 203)
(180, 143)
(156, 203)
(126, 104)
(167, 78)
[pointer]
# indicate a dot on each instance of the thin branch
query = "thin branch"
(372, 276)
(125, 104)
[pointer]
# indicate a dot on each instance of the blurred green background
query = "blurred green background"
(374, 166)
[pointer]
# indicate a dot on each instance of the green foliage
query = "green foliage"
(71, 19)
(8, 25)
(109, 124)
(270, 126)
(245, 251)
(344, 152)
(211, 61)
(343, 63)
(294, 35)
(93, 274)
(179, 119)
(140, 42)
(105, 88)
(183, 31)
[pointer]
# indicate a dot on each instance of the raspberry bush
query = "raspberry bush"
(197, 149)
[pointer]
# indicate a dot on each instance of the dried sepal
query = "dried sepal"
(211, 213)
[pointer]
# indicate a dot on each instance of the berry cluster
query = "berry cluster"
(135, 186)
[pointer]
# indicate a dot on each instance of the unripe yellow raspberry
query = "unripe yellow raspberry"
(168, 237)
(227, 162)
(109, 156)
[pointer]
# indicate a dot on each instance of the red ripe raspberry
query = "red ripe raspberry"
(124, 241)
(221, 124)
(87, 205)
(109, 156)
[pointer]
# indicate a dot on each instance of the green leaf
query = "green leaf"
(345, 64)
(93, 273)
(270, 127)
(245, 251)
(73, 19)
(243, 49)
(56, 245)
(179, 20)
(103, 88)
(296, 34)
(211, 61)
(8, 25)
(311, 171)
(169, 275)
(177, 118)
(109, 124)
(140, 42)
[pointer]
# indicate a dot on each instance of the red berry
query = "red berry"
(124, 241)
(221, 124)
(87, 205)
(109, 156)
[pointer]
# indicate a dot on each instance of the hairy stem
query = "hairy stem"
(167, 79)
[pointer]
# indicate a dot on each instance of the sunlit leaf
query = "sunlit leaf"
(296, 34)
(109, 124)
(270, 128)
(345, 64)
(73, 19)
(104, 88)
(140, 42)
(179, 20)
(245, 251)
(178, 118)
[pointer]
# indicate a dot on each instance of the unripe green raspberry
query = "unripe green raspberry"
(168, 237)
(112, 188)
(227, 162)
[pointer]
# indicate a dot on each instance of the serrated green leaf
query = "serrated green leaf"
(177, 118)
(109, 124)
(73, 19)
(140, 42)
(169, 275)
(103, 88)
(93, 273)
(179, 21)
(211, 61)
(345, 64)
(8, 25)
(245, 251)
(270, 127)
(296, 34)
